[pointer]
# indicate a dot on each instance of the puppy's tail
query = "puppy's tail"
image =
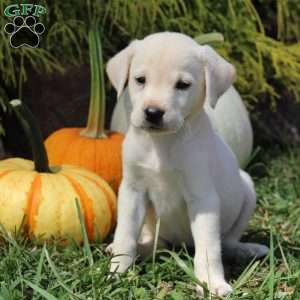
(249, 186)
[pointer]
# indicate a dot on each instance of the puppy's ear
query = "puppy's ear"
(219, 74)
(118, 67)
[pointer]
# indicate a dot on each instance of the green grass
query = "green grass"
(29, 271)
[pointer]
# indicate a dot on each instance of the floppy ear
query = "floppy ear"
(118, 67)
(219, 74)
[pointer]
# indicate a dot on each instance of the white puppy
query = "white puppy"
(175, 167)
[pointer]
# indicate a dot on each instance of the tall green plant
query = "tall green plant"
(265, 64)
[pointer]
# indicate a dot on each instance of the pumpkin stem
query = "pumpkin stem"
(96, 117)
(33, 134)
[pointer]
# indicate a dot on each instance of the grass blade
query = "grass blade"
(183, 266)
(246, 275)
(40, 291)
(272, 268)
(86, 244)
(38, 275)
(58, 277)
(157, 228)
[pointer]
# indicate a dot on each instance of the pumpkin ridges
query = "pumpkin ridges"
(109, 224)
(108, 198)
(51, 214)
(88, 211)
(55, 203)
(14, 188)
(109, 202)
(33, 201)
(5, 173)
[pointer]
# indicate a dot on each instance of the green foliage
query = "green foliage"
(288, 22)
(266, 64)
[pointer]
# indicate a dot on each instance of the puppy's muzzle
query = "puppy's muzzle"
(154, 115)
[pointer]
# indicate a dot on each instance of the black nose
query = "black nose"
(154, 115)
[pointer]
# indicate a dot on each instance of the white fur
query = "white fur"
(182, 173)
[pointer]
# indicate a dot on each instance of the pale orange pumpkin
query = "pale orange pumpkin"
(45, 196)
(91, 147)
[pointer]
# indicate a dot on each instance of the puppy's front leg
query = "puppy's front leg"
(204, 212)
(131, 214)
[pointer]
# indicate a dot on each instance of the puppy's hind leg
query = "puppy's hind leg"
(232, 247)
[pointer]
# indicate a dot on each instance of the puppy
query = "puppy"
(175, 166)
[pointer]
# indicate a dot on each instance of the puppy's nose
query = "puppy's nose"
(154, 114)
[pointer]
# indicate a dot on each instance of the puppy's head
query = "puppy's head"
(169, 77)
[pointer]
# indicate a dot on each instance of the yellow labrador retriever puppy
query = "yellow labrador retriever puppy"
(201, 196)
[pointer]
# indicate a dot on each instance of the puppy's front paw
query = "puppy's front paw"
(110, 249)
(122, 258)
(120, 263)
(219, 288)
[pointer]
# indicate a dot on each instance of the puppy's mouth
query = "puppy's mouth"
(153, 128)
(157, 129)
(149, 127)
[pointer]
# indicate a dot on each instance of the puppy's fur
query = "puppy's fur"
(179, 171)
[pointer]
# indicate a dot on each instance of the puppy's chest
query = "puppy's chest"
(164, 190)
(158, 155)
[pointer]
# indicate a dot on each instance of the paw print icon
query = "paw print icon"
(24, 32)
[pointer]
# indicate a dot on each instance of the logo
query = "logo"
(24, 30)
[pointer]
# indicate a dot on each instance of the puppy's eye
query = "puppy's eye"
(182, 85)
(140, 80)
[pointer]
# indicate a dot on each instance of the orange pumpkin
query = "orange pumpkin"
(91, 147)
(45, 196)
(100, 155)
